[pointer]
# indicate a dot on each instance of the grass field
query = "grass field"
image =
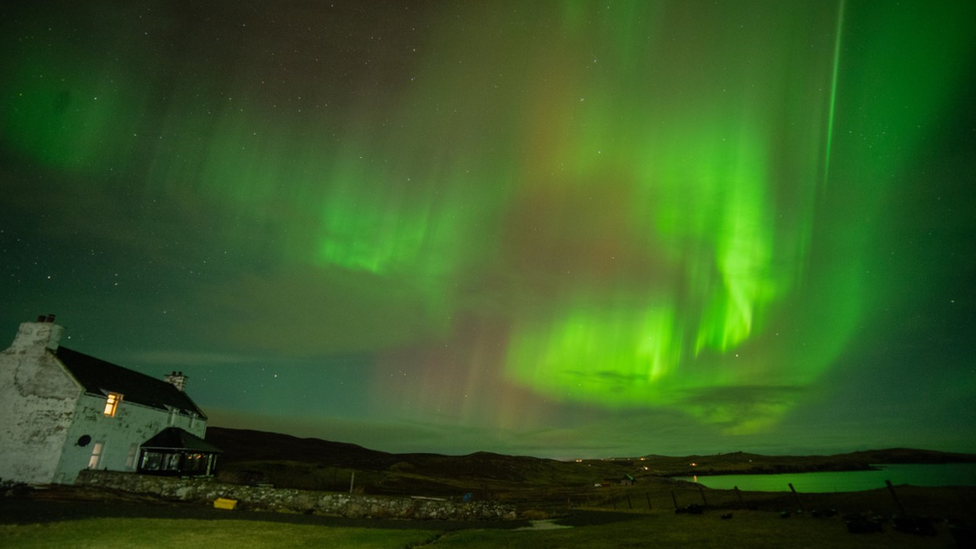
(188, 533)
(746, 529)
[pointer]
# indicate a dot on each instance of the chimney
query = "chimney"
(177, 379)
(43, 334)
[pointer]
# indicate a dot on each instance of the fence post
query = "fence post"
(797, 497)
(894, 496)
(702, 492)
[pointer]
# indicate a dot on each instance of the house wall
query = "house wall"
(37, 404)
(131, 425)
(44, 412)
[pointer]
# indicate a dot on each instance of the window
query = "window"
(150, 461)
(112, 404)
(130, 461)
(159, 461)
(96, 455)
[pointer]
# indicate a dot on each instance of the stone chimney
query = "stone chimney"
(37, 336)
(177, 379)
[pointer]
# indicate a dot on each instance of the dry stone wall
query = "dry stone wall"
(206, 490)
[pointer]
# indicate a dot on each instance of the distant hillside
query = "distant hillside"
(247, 445)
(746, 463)
(907, 455)
(311, 463)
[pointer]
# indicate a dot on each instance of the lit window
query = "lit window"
(112, 404)
(96, 455)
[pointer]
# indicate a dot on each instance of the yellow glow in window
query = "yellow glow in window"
(112, 404)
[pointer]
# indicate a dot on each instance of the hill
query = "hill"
(741, 463)
(310, 463)
(257, 457)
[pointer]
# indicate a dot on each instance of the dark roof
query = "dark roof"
(174, 438)
(100, 377)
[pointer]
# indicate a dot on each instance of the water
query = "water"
(950, 474)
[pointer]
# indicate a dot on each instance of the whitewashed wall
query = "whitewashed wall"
(132, 424)
(37, 405)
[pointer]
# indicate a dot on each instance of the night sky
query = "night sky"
(557, 228)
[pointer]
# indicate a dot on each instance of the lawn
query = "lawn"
(661, 529)
(755, 530)
(188, 534)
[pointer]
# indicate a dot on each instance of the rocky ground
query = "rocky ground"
(43, 504)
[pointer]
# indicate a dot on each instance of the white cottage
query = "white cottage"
(62, 411)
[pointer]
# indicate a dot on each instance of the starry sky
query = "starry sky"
(563, 228)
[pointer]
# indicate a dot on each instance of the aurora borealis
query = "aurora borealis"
(561, 228)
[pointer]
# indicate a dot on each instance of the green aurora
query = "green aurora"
(606, 207)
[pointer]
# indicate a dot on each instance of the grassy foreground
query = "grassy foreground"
(746, 529)
(187, 533)
(756, 530)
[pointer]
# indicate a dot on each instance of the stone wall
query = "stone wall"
(206, 490)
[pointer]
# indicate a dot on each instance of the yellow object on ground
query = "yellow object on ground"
(223, 503)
